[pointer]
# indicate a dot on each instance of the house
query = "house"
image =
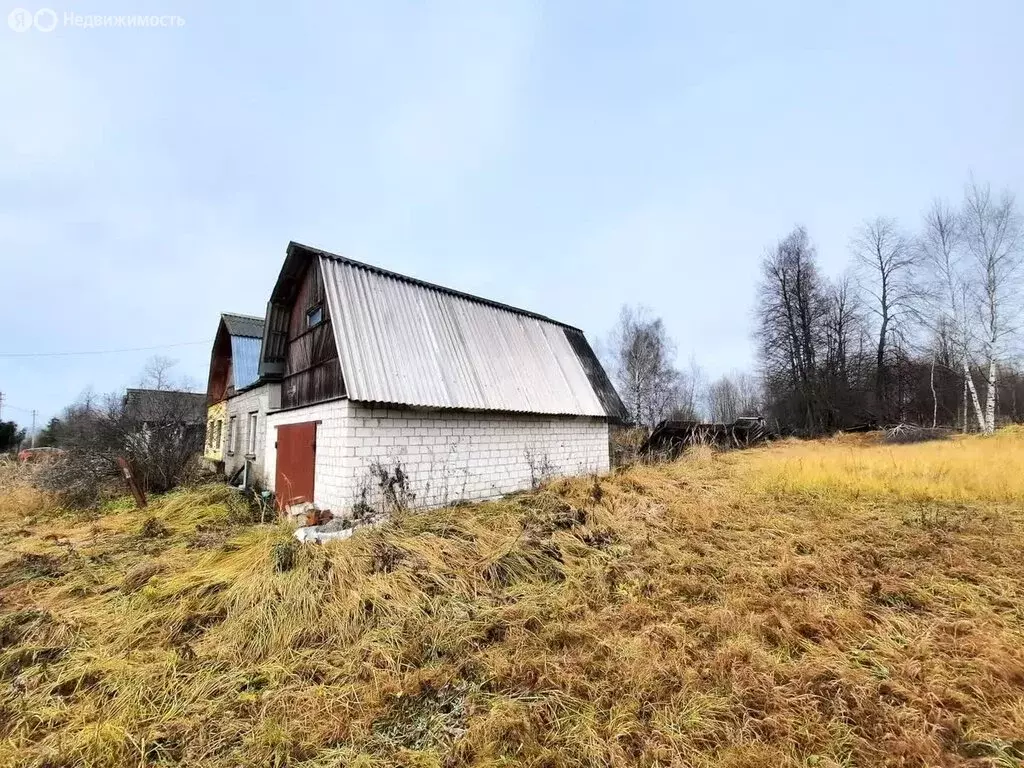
(397, 387)
(163, 417)
(237, 399)
(156, 408)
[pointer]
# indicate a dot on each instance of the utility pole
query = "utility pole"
(1, 406)
(33, 428)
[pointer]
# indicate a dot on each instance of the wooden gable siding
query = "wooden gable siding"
(312, 369)
(219, 386)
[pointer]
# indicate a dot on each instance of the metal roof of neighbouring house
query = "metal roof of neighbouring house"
(165, 406)
(246, 334)
(243, 325)
(405, 341)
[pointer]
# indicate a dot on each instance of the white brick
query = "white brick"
(445, 455)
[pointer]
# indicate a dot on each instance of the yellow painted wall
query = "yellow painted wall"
(216, 424)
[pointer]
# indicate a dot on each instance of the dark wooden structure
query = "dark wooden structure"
(671, 438)
(299, 348)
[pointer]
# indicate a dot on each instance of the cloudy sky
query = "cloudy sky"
(566, 157)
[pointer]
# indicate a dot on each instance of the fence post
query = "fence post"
(129, 478)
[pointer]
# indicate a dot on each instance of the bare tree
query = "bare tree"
(158, 373)
(731, 396)
(844, 367)
(691, 385)
(642, 363)
(792, 304)
(992, 232)
(722, 400)
(887, 264)
(926, 320)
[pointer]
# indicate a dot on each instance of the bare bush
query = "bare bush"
(79, 479)
(155, 432)
(912, 433)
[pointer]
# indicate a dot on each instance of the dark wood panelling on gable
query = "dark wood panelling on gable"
(312, 370)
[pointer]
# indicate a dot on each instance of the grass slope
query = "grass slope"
(818, 604)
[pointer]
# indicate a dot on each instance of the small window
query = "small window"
(220, 428)
(232, 434)
(251, 450)
(315, 316)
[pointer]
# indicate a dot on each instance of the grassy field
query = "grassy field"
(825, 603)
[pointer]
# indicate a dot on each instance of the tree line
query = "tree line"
(640, 357)
(923, 326)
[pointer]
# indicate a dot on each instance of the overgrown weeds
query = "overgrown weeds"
(834, 603)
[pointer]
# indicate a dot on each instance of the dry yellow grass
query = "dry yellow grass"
(830, 603)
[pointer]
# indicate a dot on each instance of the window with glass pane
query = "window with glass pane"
(314, 316)
(252, 434)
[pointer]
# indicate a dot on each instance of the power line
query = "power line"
(104, 351)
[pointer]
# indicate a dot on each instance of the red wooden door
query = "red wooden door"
(296, 458)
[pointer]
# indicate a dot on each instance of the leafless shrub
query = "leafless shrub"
(541, 468)
(912, 433)
(79, 479)
(156, 432)
(382, 492)
(392, 484)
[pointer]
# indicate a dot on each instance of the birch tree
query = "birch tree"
(992, 233)
(941, 248)
(642, 363)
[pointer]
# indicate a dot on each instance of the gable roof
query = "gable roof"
(248, 326)
(246, 332)
(165, 406)
(405, 341)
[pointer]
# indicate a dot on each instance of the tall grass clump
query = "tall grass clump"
(960, 470)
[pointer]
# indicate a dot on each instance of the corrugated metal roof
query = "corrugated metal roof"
(164, 405)
(408, 342)
(243, 325)
(245, 360)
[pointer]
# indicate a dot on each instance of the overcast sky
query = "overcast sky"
(565, 157)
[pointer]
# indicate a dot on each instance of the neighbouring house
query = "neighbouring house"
(238, 400)
(213, 449)
(150, 409)
(164, 421)
(397, 389)
(157, 432)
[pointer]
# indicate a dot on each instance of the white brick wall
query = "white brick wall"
(444, 455)
(330, 490)
(261, 400)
